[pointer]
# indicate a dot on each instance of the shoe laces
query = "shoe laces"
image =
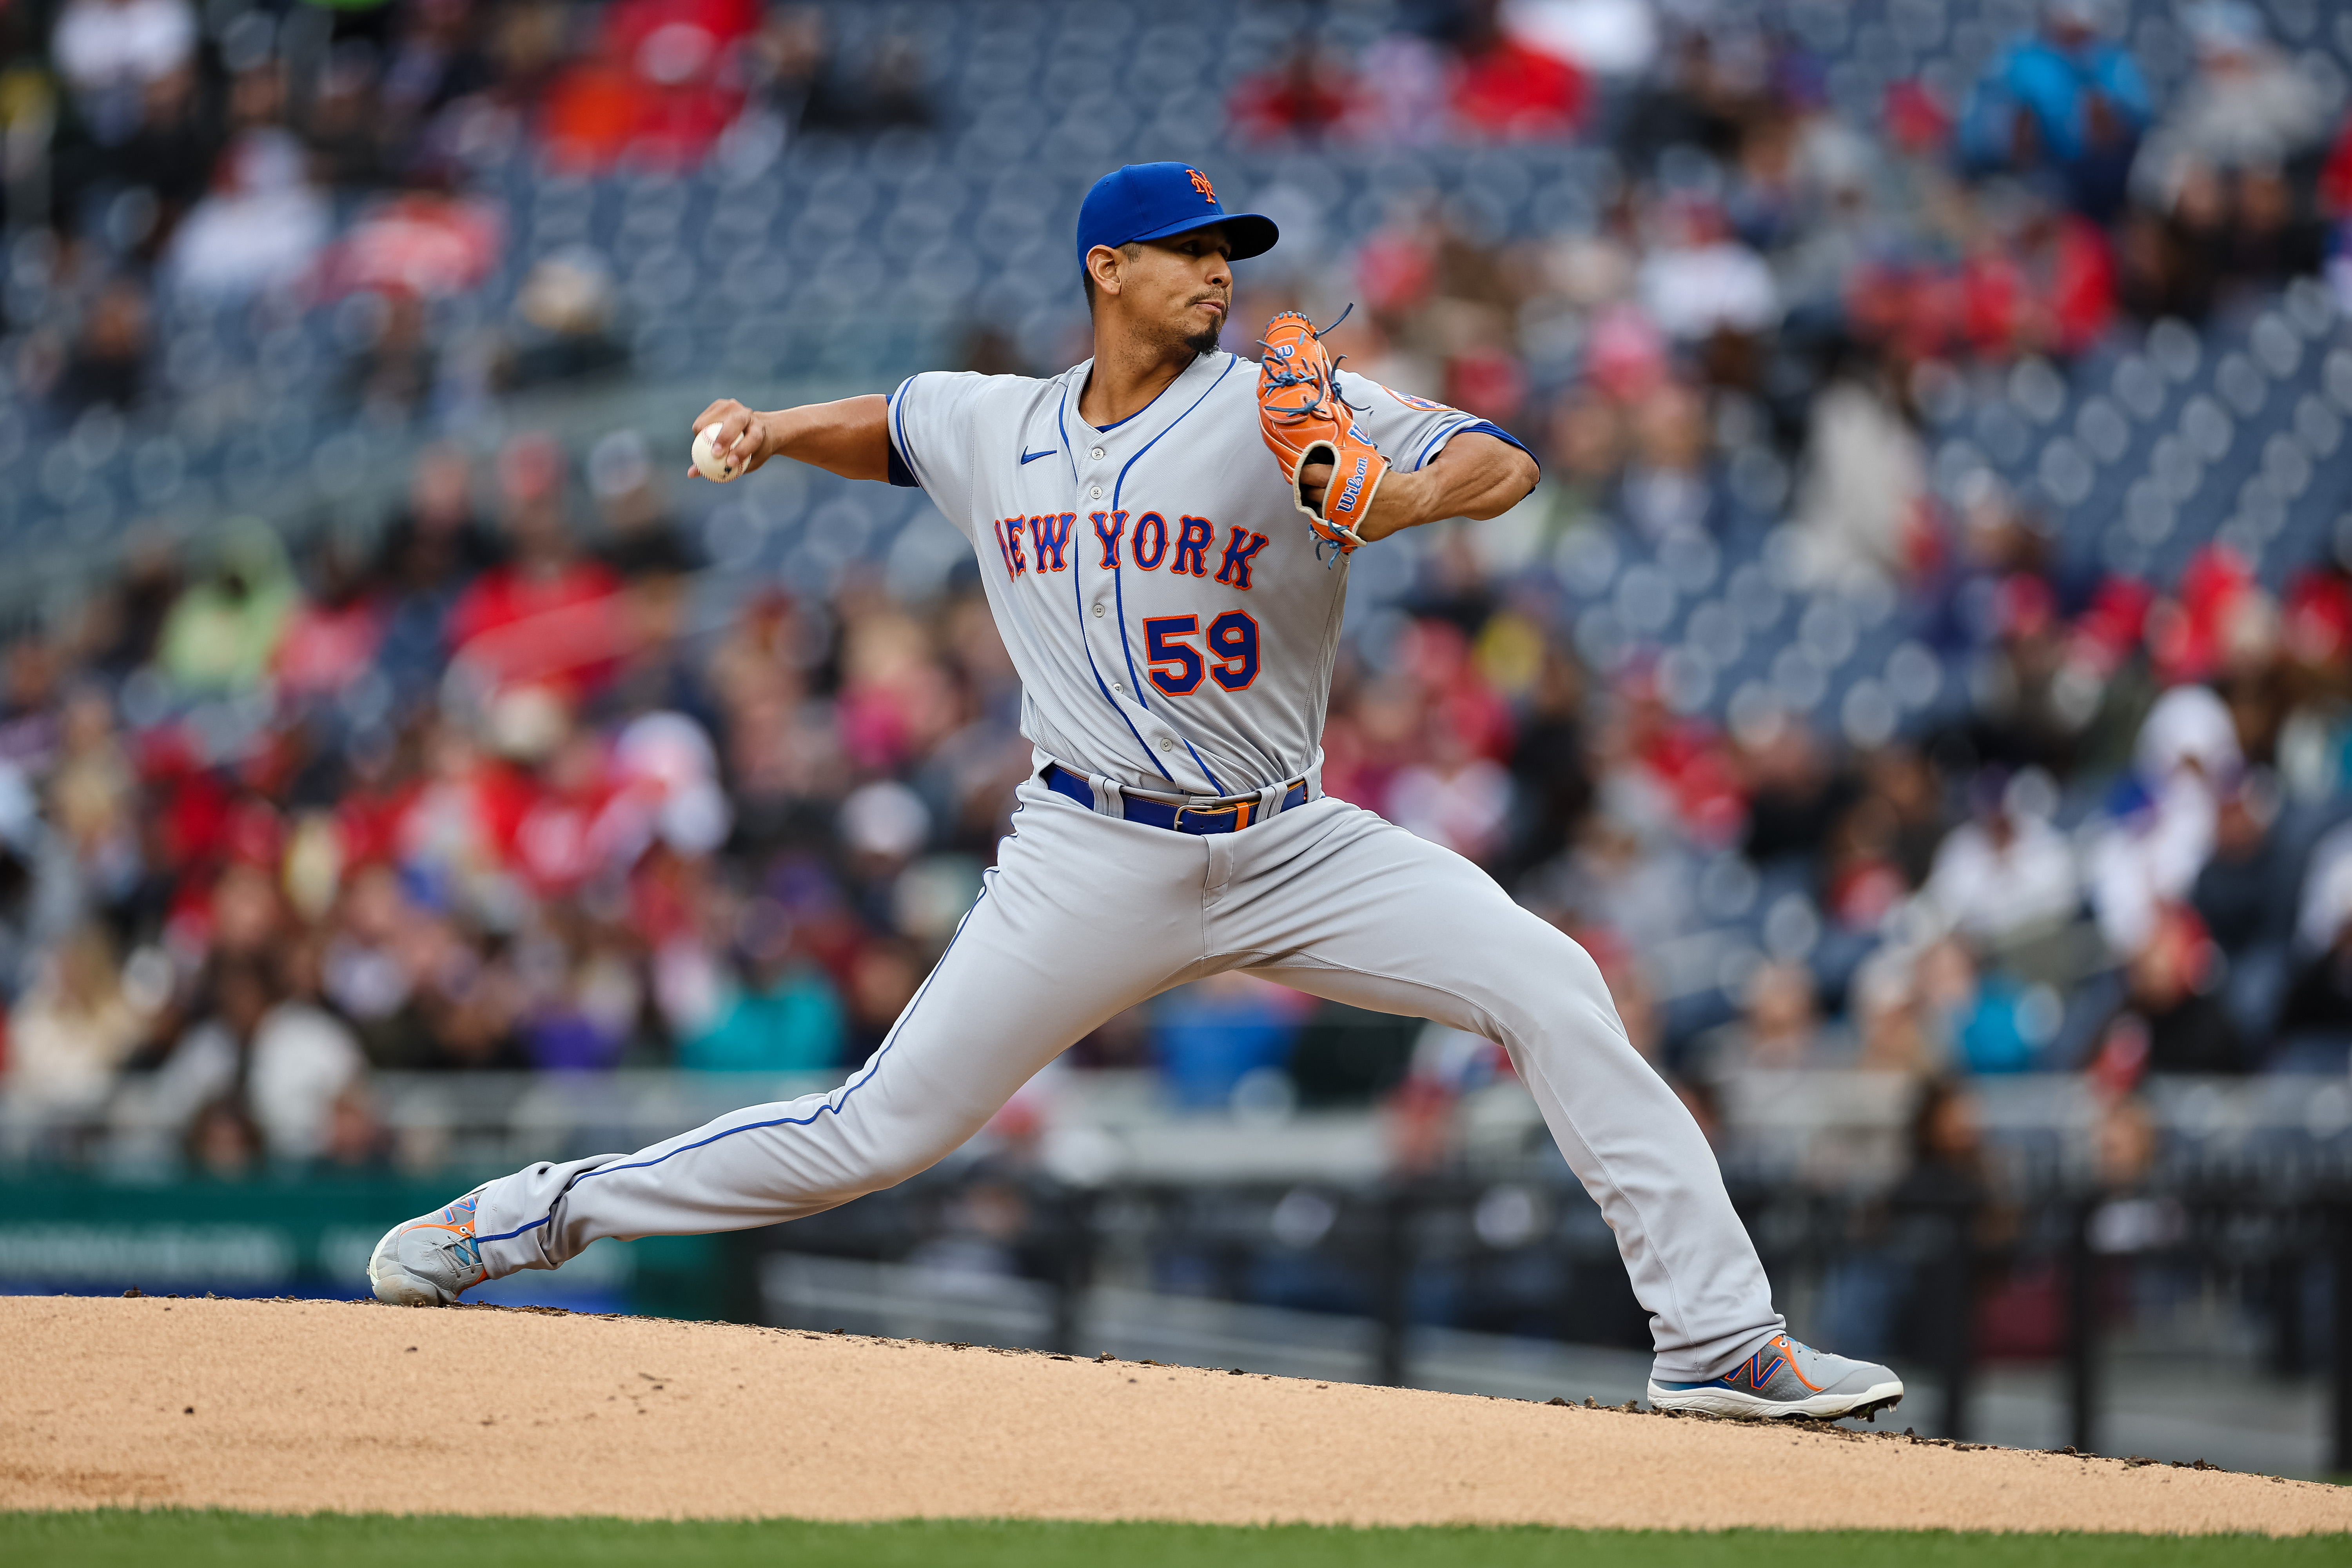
(460, 1250)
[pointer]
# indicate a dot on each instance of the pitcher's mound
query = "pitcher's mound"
(296, 1406)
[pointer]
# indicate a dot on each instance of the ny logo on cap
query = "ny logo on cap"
(1201, 184)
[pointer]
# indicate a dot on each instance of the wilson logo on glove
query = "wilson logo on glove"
(1355, 482)
(1303, 420)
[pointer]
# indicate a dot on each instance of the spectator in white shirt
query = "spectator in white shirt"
(2005, 873)
(109, 51)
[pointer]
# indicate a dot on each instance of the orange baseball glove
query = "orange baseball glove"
(1304, 420)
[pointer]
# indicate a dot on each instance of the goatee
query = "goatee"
(1203, 342)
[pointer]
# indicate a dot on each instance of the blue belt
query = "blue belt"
(1229, 818)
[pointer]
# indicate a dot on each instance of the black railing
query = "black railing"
(1379, 1246)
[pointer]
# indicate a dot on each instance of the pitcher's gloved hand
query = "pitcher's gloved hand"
(1333, 473)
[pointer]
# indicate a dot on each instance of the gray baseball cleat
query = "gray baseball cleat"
(1785, 1378)
(427, 1261)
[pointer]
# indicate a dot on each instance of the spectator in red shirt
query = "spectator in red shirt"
(548, 614)
(1305, 97)
(2044, 282)
(333, 638)
(1504, 89)
(653, 86)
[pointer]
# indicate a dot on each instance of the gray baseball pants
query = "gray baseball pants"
(1086, 914)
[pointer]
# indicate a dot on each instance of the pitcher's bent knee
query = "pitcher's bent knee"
(871, 1159)
(883, 1173)
(1546, 980)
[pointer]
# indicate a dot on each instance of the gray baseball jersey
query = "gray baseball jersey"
(1157, 589)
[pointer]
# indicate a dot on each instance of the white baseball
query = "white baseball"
(712, 464)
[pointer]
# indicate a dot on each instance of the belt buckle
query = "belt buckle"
(1238, 810)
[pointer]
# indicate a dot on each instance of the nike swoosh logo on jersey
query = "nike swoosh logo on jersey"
(1032, 457)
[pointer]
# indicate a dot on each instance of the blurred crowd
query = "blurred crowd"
(1747, 225)
(163, 155)
(2115, 852)
(160, 157)
(477, 793)
(507, 781)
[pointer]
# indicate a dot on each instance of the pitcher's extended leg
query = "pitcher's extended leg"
(1032, 969)
(1349, 906)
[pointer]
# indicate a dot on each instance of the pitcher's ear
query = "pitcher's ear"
(1103, 268)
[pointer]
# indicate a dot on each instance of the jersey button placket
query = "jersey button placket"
(1108, 639)
(1107, 647)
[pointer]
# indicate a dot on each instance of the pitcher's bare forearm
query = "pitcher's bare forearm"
(851, 437)
(1475, 476)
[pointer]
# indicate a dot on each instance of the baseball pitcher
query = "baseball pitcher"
(1171, 597)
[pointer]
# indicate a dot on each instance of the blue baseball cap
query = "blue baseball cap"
(1156, 201)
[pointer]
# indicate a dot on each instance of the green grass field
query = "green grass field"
(202, 1540)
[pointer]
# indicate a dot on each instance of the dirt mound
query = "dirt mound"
(304, 1406)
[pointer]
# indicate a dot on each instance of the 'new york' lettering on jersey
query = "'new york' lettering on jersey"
(1156, 588)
